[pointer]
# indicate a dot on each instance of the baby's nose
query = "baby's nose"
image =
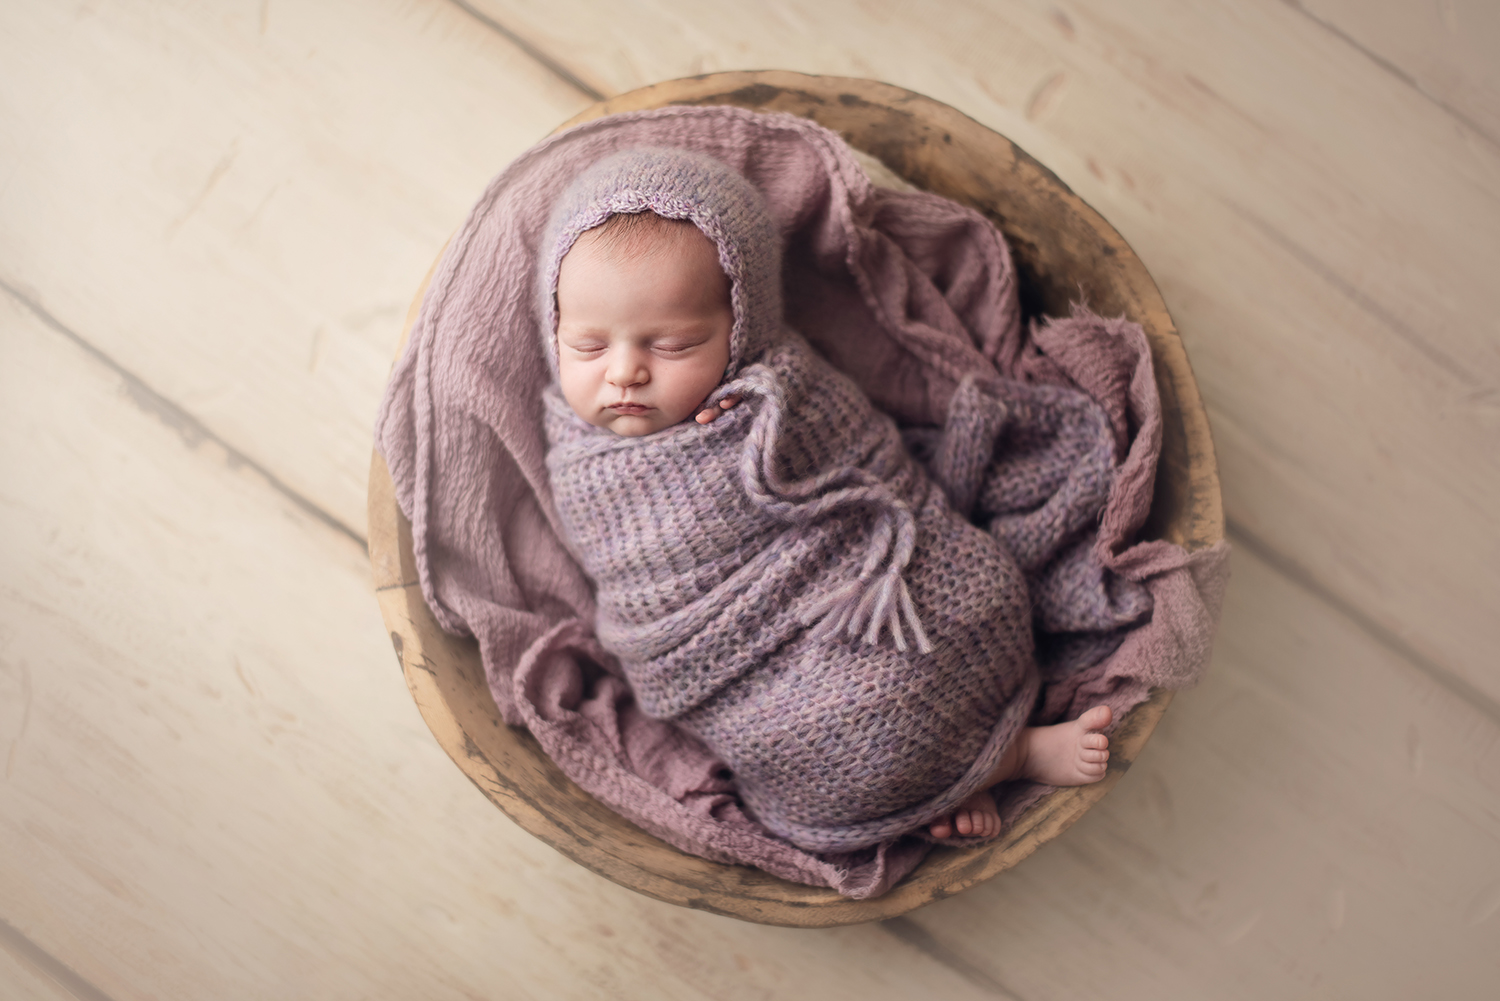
(628, 368)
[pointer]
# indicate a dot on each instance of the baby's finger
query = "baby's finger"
(708, 415)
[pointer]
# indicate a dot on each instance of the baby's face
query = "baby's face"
(643, 338)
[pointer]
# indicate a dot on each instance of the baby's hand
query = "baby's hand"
(709, 414)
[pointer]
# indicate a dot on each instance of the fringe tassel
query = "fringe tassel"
(868, 607)
(909, 613)
(833, 611)
(883, 594)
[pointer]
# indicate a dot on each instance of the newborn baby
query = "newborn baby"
(774, 570)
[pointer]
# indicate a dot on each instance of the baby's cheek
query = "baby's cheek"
(577, 383)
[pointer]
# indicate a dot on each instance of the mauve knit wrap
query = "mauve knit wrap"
(786, 583)
(910, 295)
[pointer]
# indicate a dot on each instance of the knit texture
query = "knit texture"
(765, 579)
(911, 296)
(715, 570)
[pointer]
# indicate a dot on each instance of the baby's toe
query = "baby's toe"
(963, 820)
(940, 829)
(1094, 756)
(1095, 740)
(1096, 718)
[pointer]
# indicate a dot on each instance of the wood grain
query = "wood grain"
(206, 214)
(1447, 50)
(25, 977)
(1060, 243)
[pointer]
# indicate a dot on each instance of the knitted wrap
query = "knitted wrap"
(787, 582)
(714, 548)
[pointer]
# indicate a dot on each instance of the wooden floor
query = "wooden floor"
(215, 785)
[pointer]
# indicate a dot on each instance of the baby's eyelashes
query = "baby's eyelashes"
(678, 344)
(589, 346)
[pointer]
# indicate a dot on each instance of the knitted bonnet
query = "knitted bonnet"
(677, 184)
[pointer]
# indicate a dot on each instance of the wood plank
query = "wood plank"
(1323, 234)
(1449, 50)
(235, 204)
(216, 784)
(24, 974)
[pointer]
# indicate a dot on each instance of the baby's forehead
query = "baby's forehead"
(641, 266)
(637, 234)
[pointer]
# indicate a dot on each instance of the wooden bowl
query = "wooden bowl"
(1060, 245)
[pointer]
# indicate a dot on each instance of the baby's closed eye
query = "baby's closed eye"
(677, 345)
(583, 345)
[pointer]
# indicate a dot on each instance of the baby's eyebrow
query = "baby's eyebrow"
(697, 325)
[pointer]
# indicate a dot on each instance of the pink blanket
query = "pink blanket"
(906, 292)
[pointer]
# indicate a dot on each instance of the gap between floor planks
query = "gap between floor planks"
(189, 428)
(45, 967)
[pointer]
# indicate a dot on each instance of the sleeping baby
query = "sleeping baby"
(774, 570)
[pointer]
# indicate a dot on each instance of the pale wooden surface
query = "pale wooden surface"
(215, 784)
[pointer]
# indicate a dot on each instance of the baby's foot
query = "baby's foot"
(976, 817)
(1068, 754)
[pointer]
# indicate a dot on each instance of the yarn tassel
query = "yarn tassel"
(897, 635)
(864, 607)
(834, 610)
(884, 591)
(909, 613)
(862, 610)
(892, 607)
